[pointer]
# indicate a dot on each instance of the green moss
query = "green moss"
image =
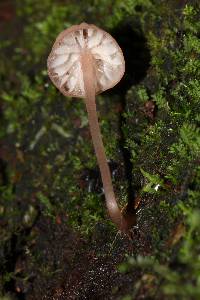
(166, 150)
(49, 155)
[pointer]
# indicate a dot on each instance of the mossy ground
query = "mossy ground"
(56, 241)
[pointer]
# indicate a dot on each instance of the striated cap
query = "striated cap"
(64, 61)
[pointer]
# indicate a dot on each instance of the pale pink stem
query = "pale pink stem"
(89, 84)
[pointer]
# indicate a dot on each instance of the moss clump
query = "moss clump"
(165, 147)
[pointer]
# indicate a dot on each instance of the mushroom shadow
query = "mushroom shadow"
(137, 59)
(136, 54)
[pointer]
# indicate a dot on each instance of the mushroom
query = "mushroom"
(84, 62)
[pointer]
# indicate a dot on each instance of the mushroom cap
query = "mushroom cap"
(64, 61)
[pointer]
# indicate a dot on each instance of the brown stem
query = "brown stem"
(89, 84)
